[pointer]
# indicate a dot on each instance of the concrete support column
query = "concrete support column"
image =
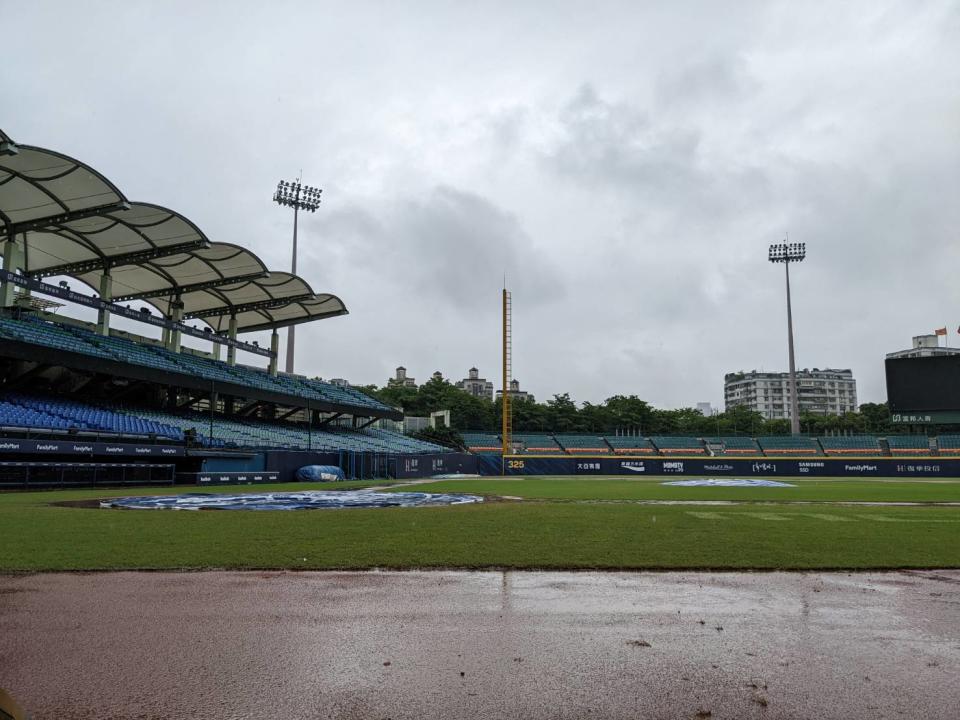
(232, 334)
(106, 294)
(12, 261)
(176, 315)
(274, 346)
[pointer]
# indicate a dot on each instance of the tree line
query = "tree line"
(620, 414)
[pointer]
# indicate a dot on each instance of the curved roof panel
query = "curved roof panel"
(294, 312)
(184, 272)
(143, 232)
(38, 187)
(274, 289)
(262, 303)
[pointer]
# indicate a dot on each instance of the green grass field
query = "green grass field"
(561, 523)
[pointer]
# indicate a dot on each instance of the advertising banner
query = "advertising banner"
(722, 466)
(74, 447)
(237, 478)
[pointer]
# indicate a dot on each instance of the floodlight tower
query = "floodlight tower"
(299, 197)
(787, 253)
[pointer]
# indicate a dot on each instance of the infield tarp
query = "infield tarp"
(309, 500)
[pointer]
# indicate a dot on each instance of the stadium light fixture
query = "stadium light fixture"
(787, 253)
(299, 197)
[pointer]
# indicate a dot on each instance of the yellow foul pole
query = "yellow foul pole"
(506, 429)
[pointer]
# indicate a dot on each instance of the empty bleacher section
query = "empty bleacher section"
(586, 444)
(536, 443)
(482, 442)
(85, 342)
(52, 335)
(908, 444)
(630, 445)
(949, 444)
(851, 445)
(789, 445)
(732, 446)
(24, 412)
(674, 445)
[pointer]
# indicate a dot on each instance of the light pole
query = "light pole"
(299, 197)
(787, 253)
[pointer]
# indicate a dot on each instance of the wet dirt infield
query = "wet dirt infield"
(456, 644)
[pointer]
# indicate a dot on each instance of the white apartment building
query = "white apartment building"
(821, 392)
(476, 385)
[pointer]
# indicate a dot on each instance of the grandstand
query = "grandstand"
(789, 445)
(674, 445)
(63, 377)
(536, 443)
(482, 442)
(630, 445)
(733, 445)
(587, 444)
(728, 446)
(908, 444)
(949, 444)
(863, 445)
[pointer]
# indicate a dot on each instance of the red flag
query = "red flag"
(941, 331)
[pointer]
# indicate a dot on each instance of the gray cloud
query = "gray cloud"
(626, 164)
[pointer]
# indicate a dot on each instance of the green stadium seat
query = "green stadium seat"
(677, 445)
(630, 445)
(583, 444)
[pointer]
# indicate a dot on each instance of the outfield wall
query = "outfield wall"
(720, 466)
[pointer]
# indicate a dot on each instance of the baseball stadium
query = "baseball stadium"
(89, 411)
(466, 361)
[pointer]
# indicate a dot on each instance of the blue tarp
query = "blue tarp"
(309, 500)
(319, 473)
(727, 482)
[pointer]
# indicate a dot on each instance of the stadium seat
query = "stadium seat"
(536, 443)
(630, 445)
(24, 412)
(789, 445)
(482, 442)
(733, 445)
(851, 445)
(908, 444)
(583, 444)
(948, 444)
(72, 338)
(674, 445)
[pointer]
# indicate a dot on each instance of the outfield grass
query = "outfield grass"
(542, 533)
(604, 488)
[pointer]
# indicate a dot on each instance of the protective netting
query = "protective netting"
(307, 500)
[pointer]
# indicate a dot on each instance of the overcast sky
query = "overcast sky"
(625, 164)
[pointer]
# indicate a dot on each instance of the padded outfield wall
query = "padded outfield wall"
(818, 466)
